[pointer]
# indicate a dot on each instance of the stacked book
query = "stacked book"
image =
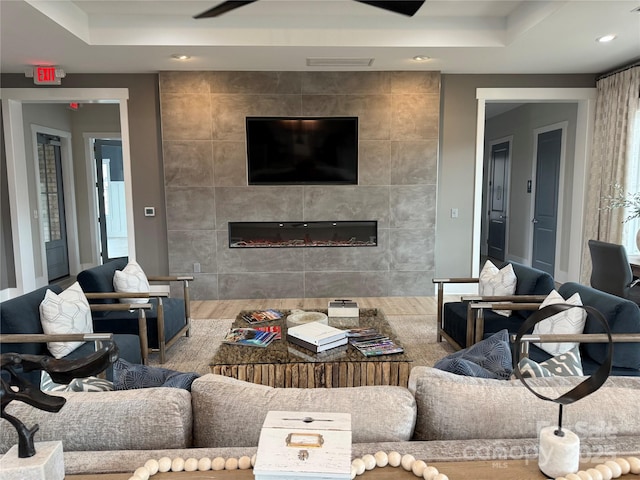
(316, 336)
(371, 343)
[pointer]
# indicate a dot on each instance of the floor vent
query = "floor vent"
(339, 62)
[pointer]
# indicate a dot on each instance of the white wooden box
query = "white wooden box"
(346, 308)
(304, 446)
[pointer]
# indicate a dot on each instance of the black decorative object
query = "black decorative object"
(61, 371)
(580, 391)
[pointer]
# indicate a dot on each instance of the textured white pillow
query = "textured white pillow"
(131, 279)
(494, 281)
(68, 312)
(569, 321)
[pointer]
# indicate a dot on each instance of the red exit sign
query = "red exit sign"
(45, 75)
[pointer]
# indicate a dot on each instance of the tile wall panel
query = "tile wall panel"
(188, 163)
(374, 165)
(187, 247)
(191, 208)
(203, 122)
(185, 116)
(346, 284)
(261, 285)
(258, 204)
(229, 164)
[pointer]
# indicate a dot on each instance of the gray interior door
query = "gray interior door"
(52, 206)
(498, 200)
(546, 200)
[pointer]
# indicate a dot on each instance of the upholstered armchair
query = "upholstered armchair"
(20, 316)
(457, 320)
(623, 317)
(168, 319)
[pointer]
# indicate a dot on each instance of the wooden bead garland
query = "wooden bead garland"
(606, 471)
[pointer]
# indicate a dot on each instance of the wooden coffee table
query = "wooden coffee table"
(283, 364)
(479, 470)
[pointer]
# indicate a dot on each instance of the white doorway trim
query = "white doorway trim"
(17, 178)
(585, 98)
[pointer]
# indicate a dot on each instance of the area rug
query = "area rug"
(416, 333)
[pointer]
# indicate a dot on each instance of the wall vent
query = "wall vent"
(339, 62)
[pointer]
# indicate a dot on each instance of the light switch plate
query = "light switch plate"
(149, 211)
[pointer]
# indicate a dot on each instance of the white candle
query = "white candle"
(559, 455)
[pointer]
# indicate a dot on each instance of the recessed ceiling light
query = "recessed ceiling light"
(421, 58)
(180, 56)
(606, 38)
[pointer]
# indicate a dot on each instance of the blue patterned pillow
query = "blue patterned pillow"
(127, 376)
(489, 358)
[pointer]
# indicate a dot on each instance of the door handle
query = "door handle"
(534, 221)
(503, 216)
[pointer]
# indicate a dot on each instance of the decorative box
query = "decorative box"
(304, 446)
(343, 308)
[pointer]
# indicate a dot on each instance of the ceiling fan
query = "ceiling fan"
(404, 7)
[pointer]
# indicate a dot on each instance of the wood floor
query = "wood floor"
(390, 305)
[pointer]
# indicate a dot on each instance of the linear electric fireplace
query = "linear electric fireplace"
(303, 234)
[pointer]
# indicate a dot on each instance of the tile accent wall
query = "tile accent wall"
(203, 116)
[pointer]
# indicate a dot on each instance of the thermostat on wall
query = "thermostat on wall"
(149, 211)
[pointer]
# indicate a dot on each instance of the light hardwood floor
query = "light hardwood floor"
(392, 306)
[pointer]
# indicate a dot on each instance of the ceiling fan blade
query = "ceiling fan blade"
(224, 7)
(405, 7)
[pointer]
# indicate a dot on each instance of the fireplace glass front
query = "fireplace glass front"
(303, 234)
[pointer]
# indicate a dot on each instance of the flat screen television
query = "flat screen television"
(302, 150)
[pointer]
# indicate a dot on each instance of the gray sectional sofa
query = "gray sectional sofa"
(439, 417)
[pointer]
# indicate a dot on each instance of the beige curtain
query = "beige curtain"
(616, 105)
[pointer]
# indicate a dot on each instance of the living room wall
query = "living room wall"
(456, 158)
(203, 115)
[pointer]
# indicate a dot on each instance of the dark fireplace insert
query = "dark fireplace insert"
(303, 234)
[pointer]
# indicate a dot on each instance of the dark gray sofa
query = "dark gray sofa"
(21, 315)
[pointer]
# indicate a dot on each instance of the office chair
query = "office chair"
(611, 271)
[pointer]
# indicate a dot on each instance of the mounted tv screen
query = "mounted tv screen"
(302, 150)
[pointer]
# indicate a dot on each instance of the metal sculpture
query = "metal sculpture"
(61, 371)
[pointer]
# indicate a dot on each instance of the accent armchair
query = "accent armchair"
(168, 319)
(457, 320)
(623, 317)
(21, 316)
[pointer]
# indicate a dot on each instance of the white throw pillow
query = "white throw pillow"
(569, 321)
(68, 312)
(131, 279)
(494, 282)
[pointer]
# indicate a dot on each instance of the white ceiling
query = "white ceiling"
(460, 36)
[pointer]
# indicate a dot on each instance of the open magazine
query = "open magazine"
(249, 337)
